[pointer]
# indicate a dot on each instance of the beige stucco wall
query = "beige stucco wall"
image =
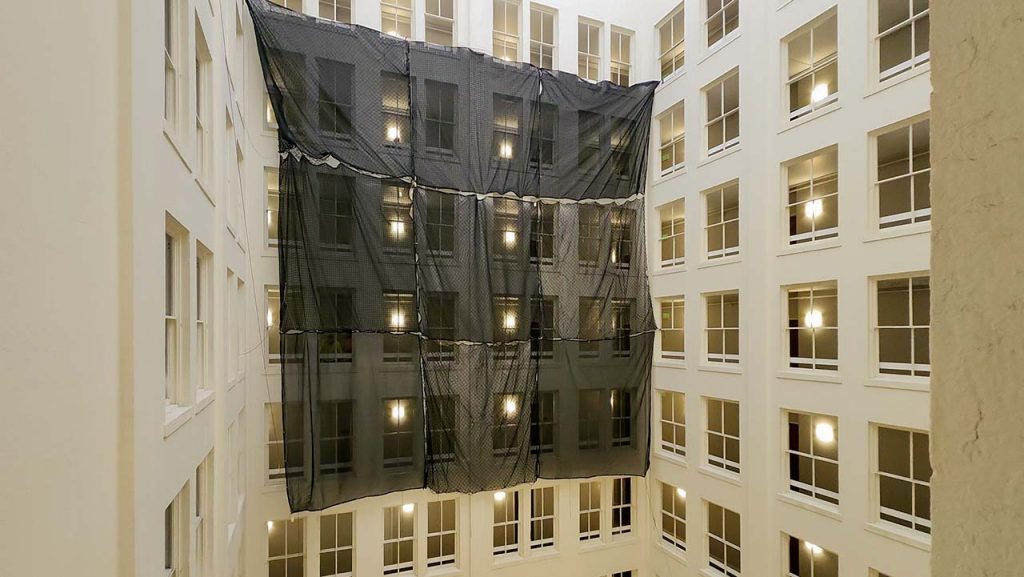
(978, 287)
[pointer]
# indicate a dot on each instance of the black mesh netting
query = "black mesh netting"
(463, 278)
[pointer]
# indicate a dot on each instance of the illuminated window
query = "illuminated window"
(396, 17)
(441, 22)
(812, 197)
(506, 523)
(507, 113)
(805, 559)
(673, 516)
(507, 410)
(813, 456)
(622, 57)
(395, 108)
(542, 36)
(507, 240)
(506, 30)
(336, 543)
(400, 318)
(812, 328)
(337, 10)
(722, 118)
(441, 519)
(723, 532)
(813, 67)
(286, 548)
(622, 505)
(399, 539)
(542, 517)
(902, 326)
(398, 432)
(397, 206)
(673, 423)
(622, 236)
(723, 434)
(590, 510)
(589, 51)
(671, 48)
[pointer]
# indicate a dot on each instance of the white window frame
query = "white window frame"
(723, 357)
(201, 522)
(816, 554)
(509, 501)
(204, 314)
(539, 45)
(819, 291)
(203, 105)
(538, 518)
(669, 52)
(671, 513)
(915, 62)
(621, 508)
(671, 324)
(506, 44)
(814, 68)
(590, 510)
(273, 475)
(176, 338)
(440, 506)
(176, 536)
(288, 525)
(273, 320)
(827, 498)
(401, 566)
(713, 196)
(676, 114)
(721, 567)
(337, 548)
(333, 8)
(723, 463)
(397, 13)
(592, 54)
(877, 474)
(916, 216)
(720, 13)
(435, 19)
(918, 371)
(676, 229)
(674, 420)
(272, 184)
(812, 207)
(174, 44)
(622, 67)
(723, 118)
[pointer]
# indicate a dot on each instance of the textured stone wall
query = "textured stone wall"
(978, 287)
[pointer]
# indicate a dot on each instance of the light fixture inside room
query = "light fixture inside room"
(814, 549)
(819, 93)
(397, 412)
(824, 432)
(510, 238)
(510, 321)
(397, 228)
(270, 318)
(505, 150)
(510, 406)
(499, 497)
(270, 217)
(813, 208)
(812, 319)
(615, 256)
(394, 134)
(397, 320)
(408, 508)
(270, 526)
(681, 492)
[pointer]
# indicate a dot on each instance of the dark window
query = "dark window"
(589, 419)
(542, 234)
(589, 139)
(336, 436)
(590, 326)
(622, 324)
(334, 100)
(440, 320)
(335, 210)
(441, 116)
(542, 144)
(440, 222)
(542, 423)
(622, 236)
(622, 418)
(442, 417)
(590, 235)
(542, 327)
(335, 319)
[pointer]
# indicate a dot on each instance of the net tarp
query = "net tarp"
(463, 284)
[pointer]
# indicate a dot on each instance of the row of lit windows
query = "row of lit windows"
(900, 473)
(511, 536)
(596, 427)
(901, 184)
(900, 324)
(900, 40)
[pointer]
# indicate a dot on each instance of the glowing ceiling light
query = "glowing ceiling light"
(408, 508)
(510, 321)
(505, 150)
(270, 217)
(812, 319)
(397, 412)
(510, 238)
(394, 134)
(615, 256)
(397, 228)
(397, 319)
(681, 492)
(814, 208)
(499, 497)
(510, 406)
(825, 432)
(814, 549)
(270, 525)
(270, 318)
(819, 93)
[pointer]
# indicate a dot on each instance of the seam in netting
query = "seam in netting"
(334, 163)
(421, 336)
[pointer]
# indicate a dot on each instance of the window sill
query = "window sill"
(730, 368)
(677, 460)
(917, 384)
(731, 259)
(899, 231)
(721, 475)
(832, 512)
(676, 75)
(671, 364)
(810, 375)
(718, 46)
(174, 417)
(880, 86)
(814, 115)
(812, 246)
(672, 551)
(672, 174)
(901, 535)
(204, 398)
(667, 270)
(444, 571)
(720, 155)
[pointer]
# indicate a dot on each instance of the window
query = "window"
(272, 179)
(622, 236)
(672, 124)
(399, 538)
(903, 474)
(588, 140)
(395, 108)
(174, 337)
(440, 318)
(622, 318)
(722, 328)
(673, 423)
(202, 535)
(334, 100)
(542, 423)
(542, 327)
(398, 306)
(808, 560)
(672, 328)
(203, 63)
(590, 510)
(285, 548)
(589, 235)
(542, 234)
(542, 37)
(443, 422)
(441, 533)
(813, 456)
(441, 22)
(274, 340)
(439, 225)
(507, 229)
(204, 332)
(506, 523)
(673, 516)
(295, 5)
(172, 54)
(396, 17)
(542, 517)
(336, 312)
(589, 419)
(507, 113)
(542, 142)
(671, 47)
(812, 198)
(673, 233)
(903, 182)
(337, 10)
(505, 433)
(280, 450)
(622, 131)
(397, 207)
(336, 220)
(723, 434)
(622, 505)
(622, 57)
(506, 30)
(813, 67)
(398, 432)
(813, 327)
(589, 51)
(902, 326)
(723, 540)
(902, 40)
(336, 427)
(722, 122)
(722, 229)
(336, 538)
(176, 537)
(621, 401)
(723, 18)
